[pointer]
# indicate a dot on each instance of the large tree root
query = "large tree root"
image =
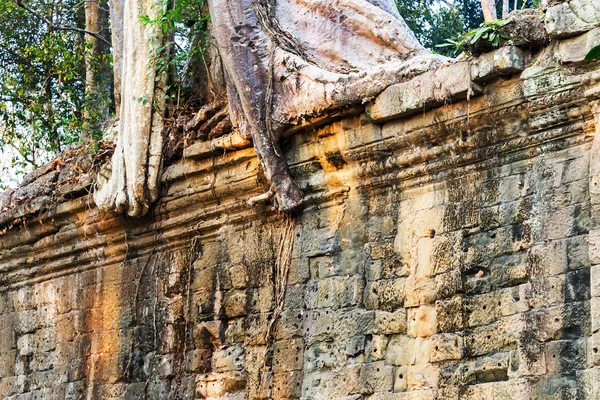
(282, 69)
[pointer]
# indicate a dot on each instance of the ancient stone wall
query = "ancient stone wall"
(448, 249)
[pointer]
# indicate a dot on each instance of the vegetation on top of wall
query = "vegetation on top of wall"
(488, 31)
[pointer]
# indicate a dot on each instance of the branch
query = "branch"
(59, 27)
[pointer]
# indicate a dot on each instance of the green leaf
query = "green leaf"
(478, 35)
(594, 54)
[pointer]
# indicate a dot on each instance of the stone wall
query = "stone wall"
(448, 249)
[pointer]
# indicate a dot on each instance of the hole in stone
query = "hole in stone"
(595, 349)
(401, 376)
(432, 233)
(484, 307)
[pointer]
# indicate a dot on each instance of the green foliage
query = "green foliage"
(42, 83)
(488, 31)
(594, 54)
(433, 21)
(186, 24)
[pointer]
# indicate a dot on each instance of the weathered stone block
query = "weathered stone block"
(422, 377)
(400, 350)
(288, 355)
(387, 323)
(571, 18)
(198, 361)
(386, 295)
(427, 90)
(548, 259)
(449, 314)
(335, 292)
(237, 274)
(446, 346)
(422, 321)
(287, 385)
(504, 61)
(228, 358)
(234, 303)
(565, 356)
(376, 347)
(376, 377)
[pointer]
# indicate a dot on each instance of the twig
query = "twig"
(60, 27)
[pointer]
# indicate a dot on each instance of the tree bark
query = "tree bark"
(97, 74)
(130, 184)
(116, 24)
(505, 8)
(489, 10)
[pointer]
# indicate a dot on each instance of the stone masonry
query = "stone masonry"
(449, 248)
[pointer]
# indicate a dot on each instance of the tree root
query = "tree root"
(261, 198)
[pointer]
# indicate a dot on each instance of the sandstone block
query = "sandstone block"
(400, 350)
(288, 355)
(504, 61)
(287, 385)
(376, 347)
(572, 18)
(376, 377)
(335, 292)
(565, 356)
(422, 377)
(425, 91)
(198, 361)
(548, 259)
(449, 314)
(234, 303)
(228, 358)
(386, 295)
(446, 346)
(387, 323)
(422, 321)
(237, 274)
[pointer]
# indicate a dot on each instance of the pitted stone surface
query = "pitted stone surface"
(449, 254)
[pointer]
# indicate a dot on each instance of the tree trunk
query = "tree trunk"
(489, 10)
(505, 8)
(130, 184)
(116, 24)
(97, 74)
(283, 60)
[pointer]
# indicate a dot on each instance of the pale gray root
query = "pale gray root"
(261, 198)
(136, 163)
(289, 59)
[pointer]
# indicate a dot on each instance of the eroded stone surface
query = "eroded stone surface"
(451, 254)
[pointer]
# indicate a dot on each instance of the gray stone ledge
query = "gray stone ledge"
(572, 18)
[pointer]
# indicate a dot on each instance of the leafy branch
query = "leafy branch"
(60, 27)
(488, 31)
